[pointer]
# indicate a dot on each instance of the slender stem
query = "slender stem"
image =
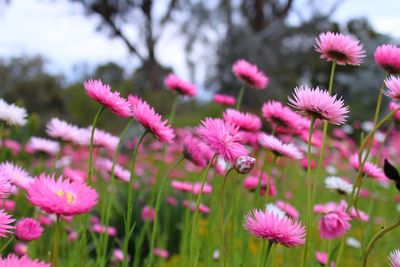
(240, 97)
(129, 210)
(171, 116)
(6, 244)
(270, 177)
(196, 212)
(258, 189)
(309, 195)
(158, 201)
(221, 212)
(268, 250)
(333, 67)
(378, 236)
(55, 242)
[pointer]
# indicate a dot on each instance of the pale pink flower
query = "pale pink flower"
(12, 145)
(322, 258)
(222, 137)
(162, 253)
(243, 120)
(38, 144)
(150, 120)
(226, 100)
(20, 249)
(334, 224)
(118, 255)
(75, 174)
(251, 182)
(272, 143)
(269, 225)
(393, 85)
(340, 47)
(369, 169)
(319, 104)
(207, 188)
(28, 229)
(288, 209)
(394, 258)
(192, 206)
(388, 57)
(104, 139)
(358, 214)
(5, 223)
(112, 100)
(60, 129)
(13, 261)
(182, 186)
(249, 74)
(61, 197)
(174, 83)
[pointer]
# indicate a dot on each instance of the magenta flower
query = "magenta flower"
(222, 137)
(249, 74)
(388, 57)
(319, 104)
(272, 143)
(243, 120)
(288, 209)
(61, 197)
(148, 213)
(13, 261)
(393, 85)
(196, 151)
(394, 258)
(225, 100)
(322, 258)
(393, 106)
(150, 120)
(174, 83)
(269, 225)
(112, 100)
(28, 229)
(369, 169)
(251, 182)
(340, 47)
(334, 224)
(162, 253)
(5, 223)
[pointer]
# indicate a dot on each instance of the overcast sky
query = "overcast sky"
(60, 31)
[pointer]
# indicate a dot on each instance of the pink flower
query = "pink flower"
(21, 249)
(319, 104)
(196, 151)
(118, 255)
(28, 229)
(182, 186)
(272, 143)
(57, 128)
(393, 85)
(269, 225)
(207, 189)
(394, 258)
(112, 100)
(244, 164)
(150, 120)
(226, 100)
(222, 137)
(394, 106)
(37, 144)
(322, 258)
(175, 83)
(251, 182)
(358, 214)
(5, 223)
(388, 57)
(369, 169)
(148, 213)
(12, 145)
(75, 174)
(249, 74)
(104, 139)
(244, 120)
(13, 261)
(343, 48)
(334, 224)
(162, 253)
(61, 197)
(288, 209)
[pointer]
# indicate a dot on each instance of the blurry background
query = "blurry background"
(49, 47)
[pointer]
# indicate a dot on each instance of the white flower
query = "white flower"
(352, 242)
(338, 184)
(272, 208)
(12, 114)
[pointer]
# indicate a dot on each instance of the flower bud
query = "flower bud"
(244, 164)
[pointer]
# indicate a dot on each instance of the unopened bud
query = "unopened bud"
(244, 164)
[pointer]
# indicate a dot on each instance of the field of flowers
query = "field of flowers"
(292, 185)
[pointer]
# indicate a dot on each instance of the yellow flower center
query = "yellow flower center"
(70, 197)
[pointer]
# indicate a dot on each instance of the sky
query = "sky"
(65, 36)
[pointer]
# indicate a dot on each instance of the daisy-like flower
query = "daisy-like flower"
(222, 137)
(393, 85)
(268, 225)
(102, 93)
(370, 169)
(5, 224)
(28, 229)
(67, 132)
(338, 184)
(150, 120)
(388, 57)
(174, 83)
(12, 114)
(340, 47)
(272, 143)
(334, 224)
(288, 209)
(104, 139)
(15, 174)
(38, 144)
(319, 104)
(12, 260)
(394, 258)
(244, 120)
(394, 106)
(225, 100)
(249, 74)
(61, 197)
(196, 151)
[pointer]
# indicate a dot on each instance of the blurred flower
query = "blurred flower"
(175, 83)
(338, 184)
(5, 223)
(322, 258)
(249, 74)
(388, 57)
(196, 151)
(243, 120)
(162, 253)
(13, 261)
(28, 229)
(38, 144)
(12, 114)
(21, 249)
(272, 143)
(148, 213)
(226, 100)
(352, 242)
(289, 210)
(393, 84)
(394, 258)
(334, 224)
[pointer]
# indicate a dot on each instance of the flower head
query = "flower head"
(388, 57)
(173, 82)
(249, 74)
(28, 229)
(13, 261)
(393, 85)
(61, 197)
(12, 114)
(278, 148)
(322, 258)
(196, 151)
(226, 100)
(319, 104)
(268, 225)
(340, 47)
(15, 174)
(334, 224)
(222, 137)
(394, 258)
(112, 100)
(369, 169)
(338, 184)
(38, 144)
(150, 120)
(244, 120)
(288, 209)
(5, 224)
(244, 164)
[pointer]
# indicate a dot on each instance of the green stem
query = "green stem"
(270, 177)
(129, 210)
(330, 88)
(258, 189)
(158, 201)
(268, 250)
(6, 244)
(240, 97)
(309, 195)
(378, 236)
(171, 116)
(196, 212)
(223, 246)
(55, 242)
